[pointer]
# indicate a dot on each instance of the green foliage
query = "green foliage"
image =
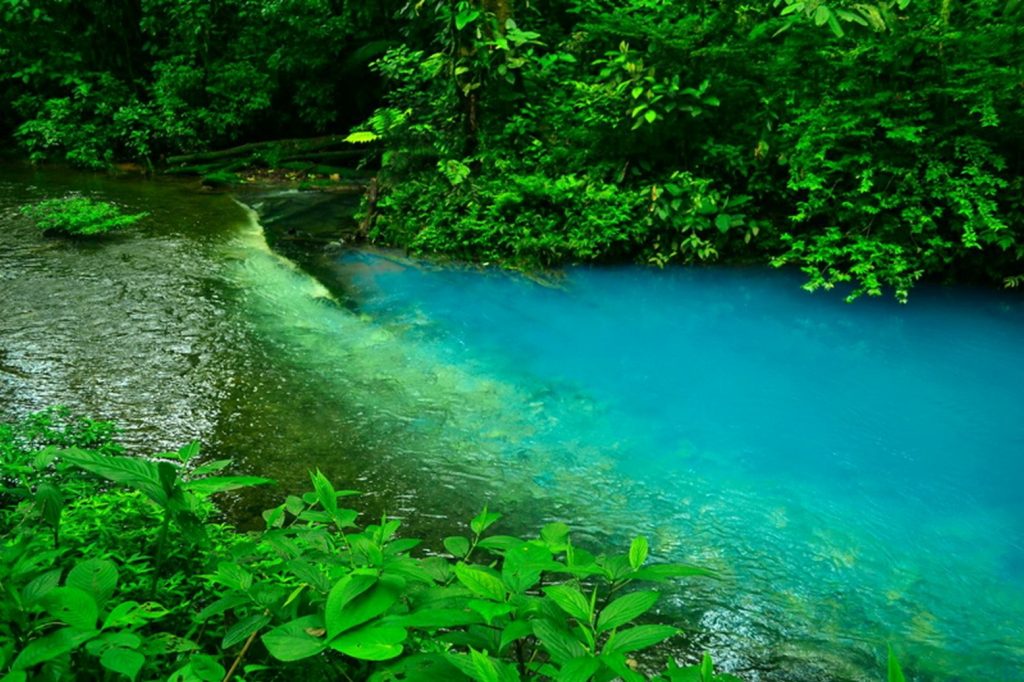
(94, 82)
(79, 216)
(316, 592)
(315, 595)
(869, 144)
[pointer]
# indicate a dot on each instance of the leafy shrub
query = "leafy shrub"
(142, 583)
(79, 216)
(314, 596)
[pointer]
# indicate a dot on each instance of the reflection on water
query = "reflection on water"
(851, 470)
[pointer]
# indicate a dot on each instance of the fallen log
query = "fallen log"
(289, 147)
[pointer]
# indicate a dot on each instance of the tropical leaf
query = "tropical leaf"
(625, 609)
(570, 600)
(638, 550)
(123, 661)
(480, 582)
(359, 610)
(372, 643)
(241, 630)
(297, 639)
(72, 606)
(639, 637)
(95, 577)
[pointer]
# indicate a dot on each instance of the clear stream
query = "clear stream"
(853, 471)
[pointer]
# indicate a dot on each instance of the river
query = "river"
(853, 471)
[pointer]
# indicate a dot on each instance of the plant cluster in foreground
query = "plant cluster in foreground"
(114, 567)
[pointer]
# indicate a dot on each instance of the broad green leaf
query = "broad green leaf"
(166, 643)
(437, 568)
(483, 521)
(402, 545)
(484, 667)
(579, 669)
(524, 564)
(833, 23)
(122, 639)
(241, 630)
(515, 630)
(480, 582)
(639, 637)
(141, 474)
(210, 468)
(361, 609)
(457, 546)
(570, 600)
(274, 518)
(187, 452)
(466, 17)
(343, 592)
(39, 586)
(372, 643)
(638, 550)
(559, 643)
(489, 609)
(500, 543)
(625, 609)
(295, 640)
(123, 661)
(325, 493)
(50, 647)
(431, 619)
(617, 663)
(408, 568)
(95, 577)
(707, 668)
(124, 614)
(206, 668)
(555, 536)
(72, 606)
(49, 502)
(233, 576)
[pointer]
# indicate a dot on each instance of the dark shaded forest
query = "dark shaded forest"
(872, 145)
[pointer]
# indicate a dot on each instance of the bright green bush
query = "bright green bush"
(113, 565)
(870, 145)
(79, 216)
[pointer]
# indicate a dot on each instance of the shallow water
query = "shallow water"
(853, 471)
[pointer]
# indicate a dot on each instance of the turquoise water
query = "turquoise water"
(854, 470)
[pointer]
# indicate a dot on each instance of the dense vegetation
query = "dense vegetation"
(114, 566)
(876, 143)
